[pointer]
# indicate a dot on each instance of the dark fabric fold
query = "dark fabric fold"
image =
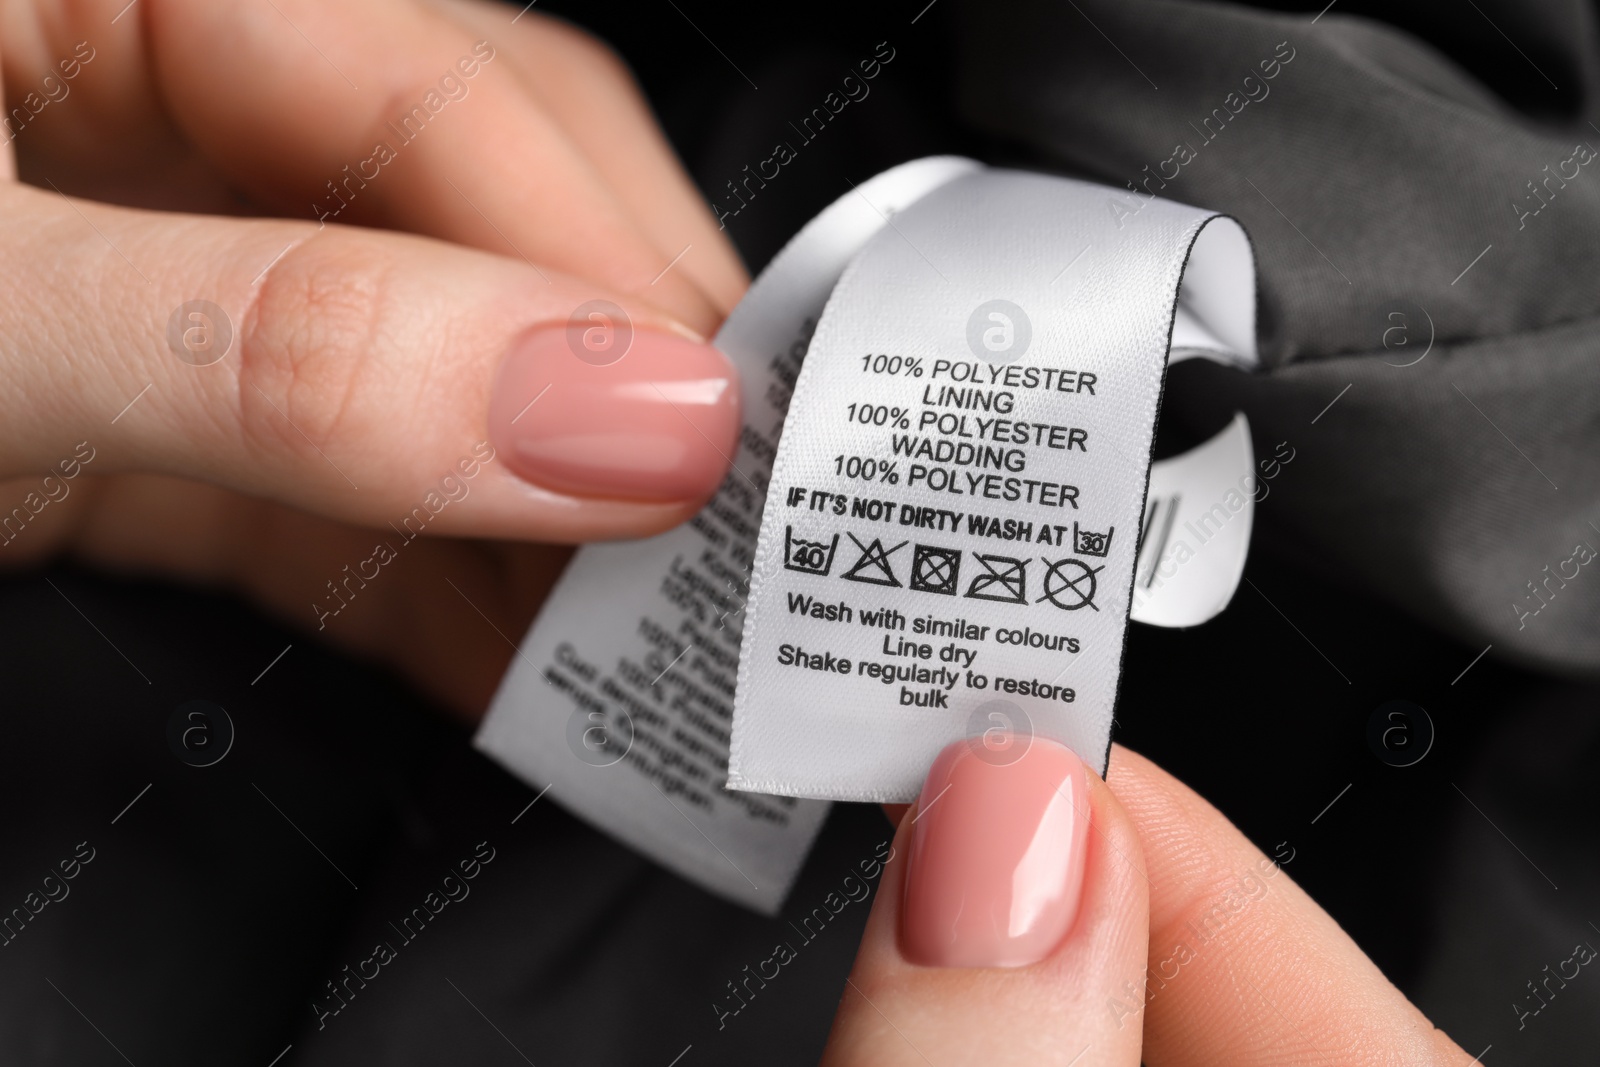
(1426, 234)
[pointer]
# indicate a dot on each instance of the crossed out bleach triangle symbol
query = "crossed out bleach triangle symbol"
(873, 566)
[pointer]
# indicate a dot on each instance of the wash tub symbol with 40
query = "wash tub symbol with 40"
(808, 557)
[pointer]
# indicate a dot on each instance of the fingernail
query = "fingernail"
(996, 864)
(620, 414)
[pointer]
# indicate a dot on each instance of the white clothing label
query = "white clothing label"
(621, 699)
(1196, 530)
(950, 534)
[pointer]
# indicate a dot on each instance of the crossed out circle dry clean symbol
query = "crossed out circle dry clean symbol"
(1069, 584)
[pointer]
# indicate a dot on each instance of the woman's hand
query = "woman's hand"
(1032, 915)
(367, 372)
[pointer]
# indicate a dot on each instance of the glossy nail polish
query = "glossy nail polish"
(656, 421)
(996, 864)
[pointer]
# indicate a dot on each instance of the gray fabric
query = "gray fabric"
(207, 925)
(1372, 169)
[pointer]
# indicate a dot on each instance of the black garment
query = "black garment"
(222, 900)
(1434, 175)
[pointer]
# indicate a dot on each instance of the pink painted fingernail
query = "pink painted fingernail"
(996, 866)
(594, 408)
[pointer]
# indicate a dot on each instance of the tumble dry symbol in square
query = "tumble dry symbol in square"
(935, 570)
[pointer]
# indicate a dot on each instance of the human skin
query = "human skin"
(185, 161)
(186, 157)
(1280, 983)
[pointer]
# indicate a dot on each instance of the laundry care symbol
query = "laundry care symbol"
(808, 557)
(1089, 543)
(1004, 579)
(873, 565)
(935, 570)
(1069, 583)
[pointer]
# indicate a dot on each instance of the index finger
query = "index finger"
(592, 94)
(1245, 968)
(384, 112)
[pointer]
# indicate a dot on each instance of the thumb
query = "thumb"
(360, 375)
(1011, 926)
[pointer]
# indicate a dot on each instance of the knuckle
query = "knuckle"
(307, 342)
(588, 50)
